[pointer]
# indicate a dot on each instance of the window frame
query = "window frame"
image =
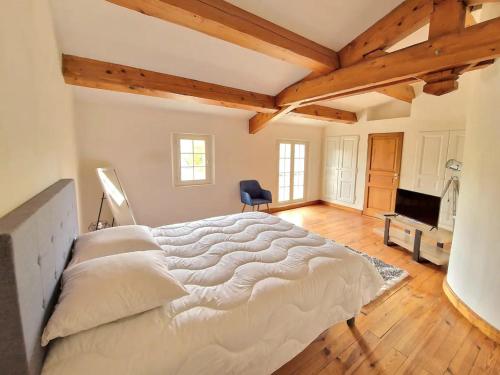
(176, 159)
(293, 142)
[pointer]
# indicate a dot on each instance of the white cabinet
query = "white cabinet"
(341, 158)
(434, 149)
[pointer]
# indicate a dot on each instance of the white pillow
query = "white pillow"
(111, 241)
(106, 289)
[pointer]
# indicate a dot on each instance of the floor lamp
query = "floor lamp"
(454, 184)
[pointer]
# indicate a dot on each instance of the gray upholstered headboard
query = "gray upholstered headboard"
(35, 244)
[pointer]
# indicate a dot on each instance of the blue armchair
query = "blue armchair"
(253, 195)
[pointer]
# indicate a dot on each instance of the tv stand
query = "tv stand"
(424, 241)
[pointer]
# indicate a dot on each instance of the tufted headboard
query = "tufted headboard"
(35, 244)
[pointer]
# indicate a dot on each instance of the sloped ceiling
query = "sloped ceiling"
(100, 30)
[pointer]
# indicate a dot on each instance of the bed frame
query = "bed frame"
(35, 245)
(36, 240)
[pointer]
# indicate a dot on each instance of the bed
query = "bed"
(260, 290)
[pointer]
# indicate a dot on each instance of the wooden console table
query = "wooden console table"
(433, 245)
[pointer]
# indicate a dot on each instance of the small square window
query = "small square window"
(193, 160)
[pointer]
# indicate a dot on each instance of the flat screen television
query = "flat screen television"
(421, 207)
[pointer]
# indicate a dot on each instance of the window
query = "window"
(292, 162)
(193, 162)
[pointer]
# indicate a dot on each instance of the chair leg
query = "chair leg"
(243, 210)
(258, 207)
(253, 208)
(267, 207)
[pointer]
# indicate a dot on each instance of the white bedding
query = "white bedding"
(261, 289)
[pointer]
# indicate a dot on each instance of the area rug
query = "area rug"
(392, 275)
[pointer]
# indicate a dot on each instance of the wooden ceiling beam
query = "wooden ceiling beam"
(318, 112)
(405, 19)
(449, 16)
(90, 73)
(403, 92)
(261, 120)
(480, 2)
(225, 21)
(313, 112)
(471, 45)
(85, 72)
(469, 18)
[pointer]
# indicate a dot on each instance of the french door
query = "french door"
(292, 171)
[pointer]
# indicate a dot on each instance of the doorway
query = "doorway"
(292, 171)
(382, 172)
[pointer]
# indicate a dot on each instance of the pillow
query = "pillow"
(102, 290)
(112, 241)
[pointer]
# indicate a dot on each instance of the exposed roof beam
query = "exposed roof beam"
(318, 112)
(474, 44)
(403, 92)
(363, 90)
(407, 18)
(85, 72)
(447, 17)
(480, 2)
(235, 25)
(469, 17)
(261, 120)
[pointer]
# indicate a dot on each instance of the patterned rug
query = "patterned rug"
(392, 275)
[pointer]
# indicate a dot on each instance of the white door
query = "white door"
(455, 151)
(332, 162)
(432, 149)
(341, 157)
(347, 168)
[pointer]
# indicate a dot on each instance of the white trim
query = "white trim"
(176, 160)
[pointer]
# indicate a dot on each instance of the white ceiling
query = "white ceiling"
(332, 23)
(104, 31)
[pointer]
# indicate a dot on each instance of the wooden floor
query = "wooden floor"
(413, 329)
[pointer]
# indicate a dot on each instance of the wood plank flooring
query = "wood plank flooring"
(412, 329)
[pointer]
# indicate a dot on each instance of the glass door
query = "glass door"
(292, 169)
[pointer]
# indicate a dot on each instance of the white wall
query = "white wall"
(474, 269)
(37, 144)
(136, 139)
(427, 113)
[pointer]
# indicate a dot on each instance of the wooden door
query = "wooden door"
(382, 172)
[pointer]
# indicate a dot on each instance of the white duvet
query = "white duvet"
(260, 290)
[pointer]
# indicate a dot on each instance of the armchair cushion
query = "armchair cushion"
(252, 194)
(246, 198)
(259, 201)
(266, 195)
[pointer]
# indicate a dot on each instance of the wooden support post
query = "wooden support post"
(448, 17)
